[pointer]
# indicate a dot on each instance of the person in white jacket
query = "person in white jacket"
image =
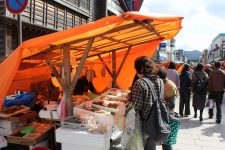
(173, 75)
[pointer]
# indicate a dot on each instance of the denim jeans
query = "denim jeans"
(218, 98)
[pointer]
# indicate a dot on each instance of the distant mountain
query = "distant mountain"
(193, 55)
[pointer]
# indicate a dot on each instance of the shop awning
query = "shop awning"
(132, 31)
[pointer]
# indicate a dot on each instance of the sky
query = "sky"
(203, 20)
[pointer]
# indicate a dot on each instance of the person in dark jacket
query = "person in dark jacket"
(83, 85)
(216, 87)
(199, 98)
(185, 91)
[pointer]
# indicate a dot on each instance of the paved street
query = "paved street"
(205, 135)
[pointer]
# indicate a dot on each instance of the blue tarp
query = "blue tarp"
(26, 99)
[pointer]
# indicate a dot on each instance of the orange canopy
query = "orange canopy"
(138, 33)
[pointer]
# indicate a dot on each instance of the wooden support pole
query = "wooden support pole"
(123, 61)
(82, 61)
(67, 91)
(114, 69)
(107, 68)
(148, 27)
(54, 71)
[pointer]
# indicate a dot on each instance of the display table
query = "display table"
(106, 119)
(75, 139)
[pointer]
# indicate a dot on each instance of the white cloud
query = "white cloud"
(203, 20)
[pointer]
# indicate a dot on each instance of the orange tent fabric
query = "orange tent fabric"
(140, 32)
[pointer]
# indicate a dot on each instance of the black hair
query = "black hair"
(138, 64)
(149, 66)
(162, 73)
(144, 65)
(172, 65)
(186, 67)
(217, 64)
(199, 67)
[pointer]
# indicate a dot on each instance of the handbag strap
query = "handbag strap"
(150, 85)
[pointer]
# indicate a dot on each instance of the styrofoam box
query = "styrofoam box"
(83, 140)
(6, 124)
(101, 118)
(9, 127)
(7, 132)
(47, 114)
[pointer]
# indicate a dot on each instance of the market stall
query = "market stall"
(110, 42)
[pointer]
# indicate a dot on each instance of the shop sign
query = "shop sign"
(162, 45)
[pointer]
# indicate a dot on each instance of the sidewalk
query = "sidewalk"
(196, 135)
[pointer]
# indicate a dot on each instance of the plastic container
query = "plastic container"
(27, 130)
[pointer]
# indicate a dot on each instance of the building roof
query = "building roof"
(218, 36)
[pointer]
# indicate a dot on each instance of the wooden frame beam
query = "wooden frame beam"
(123, 61)
(125, 47)
(82, 61)
(115, 40)
(54, 71)
(148, 27)
(114, 69)
(107, 68)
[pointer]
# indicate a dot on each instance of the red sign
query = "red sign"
(16, 6)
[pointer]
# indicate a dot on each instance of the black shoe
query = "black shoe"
(218, 121)
(200, 118)
(195, 116)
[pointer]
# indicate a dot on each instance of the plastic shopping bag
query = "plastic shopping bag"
(132, 136)
(210, 103)
(61, 109)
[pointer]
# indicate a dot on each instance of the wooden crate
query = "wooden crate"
(24, 116)
(18, 138)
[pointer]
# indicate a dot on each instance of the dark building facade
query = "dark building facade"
(135, 5)
(47, 16)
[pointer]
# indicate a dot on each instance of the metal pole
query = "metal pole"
(20, 37)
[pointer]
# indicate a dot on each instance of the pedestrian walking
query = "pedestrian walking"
(185, 91)
(208, 69)
(173, 75)
(142, 98)
(216, 88)
(170, 94)
(199, 87)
